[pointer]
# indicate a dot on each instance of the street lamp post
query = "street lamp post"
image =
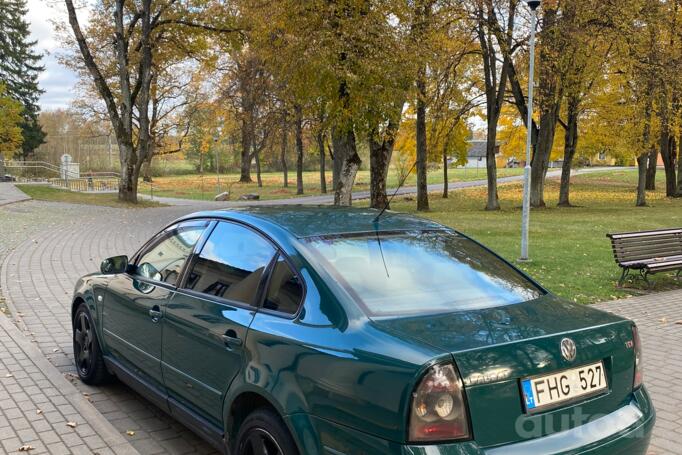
(533, 4)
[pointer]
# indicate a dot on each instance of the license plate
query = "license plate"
(552, 389)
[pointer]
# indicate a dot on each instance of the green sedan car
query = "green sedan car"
(321, 330)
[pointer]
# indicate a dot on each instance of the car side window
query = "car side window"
(164, 260)
(231, 264)
(285, 290)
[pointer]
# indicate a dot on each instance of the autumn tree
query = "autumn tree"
(137, 32)
(593, 34)
(20, 68)
(342, 58)
(11, 118)
(497, 49)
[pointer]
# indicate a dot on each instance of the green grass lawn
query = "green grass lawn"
(207, 186)
(48, 193)
(570, 253)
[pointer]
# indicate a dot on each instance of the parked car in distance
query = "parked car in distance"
(322, 330)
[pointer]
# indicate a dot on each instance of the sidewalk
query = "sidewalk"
(659, 319)
(9, 194)
(41, 412)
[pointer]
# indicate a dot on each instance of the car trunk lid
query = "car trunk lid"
(496, 348)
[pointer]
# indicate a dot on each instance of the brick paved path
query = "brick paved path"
(41, 410)
(38, 275)
(37, 279)
(659, 318)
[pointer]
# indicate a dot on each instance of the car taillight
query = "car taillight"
(639, 374)
(438, 408)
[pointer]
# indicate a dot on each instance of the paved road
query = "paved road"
(37, 279)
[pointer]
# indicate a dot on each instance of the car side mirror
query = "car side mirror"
(113, 265)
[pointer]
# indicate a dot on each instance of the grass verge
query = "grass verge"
(48, 193)
(207, 186)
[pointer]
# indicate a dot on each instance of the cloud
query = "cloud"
(57, 81)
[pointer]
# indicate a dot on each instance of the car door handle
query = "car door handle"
(231, 339)
(155, 313)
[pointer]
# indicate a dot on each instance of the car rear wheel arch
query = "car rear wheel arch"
(241, 407)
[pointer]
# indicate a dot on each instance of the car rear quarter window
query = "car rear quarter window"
(420, 272)
(231, 264)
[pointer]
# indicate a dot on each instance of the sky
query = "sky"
(57, 81)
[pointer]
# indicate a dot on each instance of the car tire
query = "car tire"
(263, 432)
(86, 350)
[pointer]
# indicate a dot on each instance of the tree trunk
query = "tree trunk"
(540, 161)
(678, 189)
(258, 174)
(147, 168)
(641, 179)
(337, 162)
(348, 161)
(321, 151)
(127, 186)
(651, 169)
(445, 171)
(570, 146)
(283, 151)
(666, 144)
(642, 165)
(493, 202)
(379, 159)
(422, 151)
(380, 152)
(246, 156)
(299, 150)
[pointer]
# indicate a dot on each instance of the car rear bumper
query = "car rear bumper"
(625, 431)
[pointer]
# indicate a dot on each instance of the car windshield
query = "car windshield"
(420, 272)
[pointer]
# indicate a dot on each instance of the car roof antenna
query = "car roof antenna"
(400, 185)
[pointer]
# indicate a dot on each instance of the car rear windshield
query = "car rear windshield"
(420, 272)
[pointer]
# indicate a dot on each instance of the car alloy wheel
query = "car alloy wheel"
(259, 442)
(83, 336)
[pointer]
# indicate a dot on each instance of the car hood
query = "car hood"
(473, 329)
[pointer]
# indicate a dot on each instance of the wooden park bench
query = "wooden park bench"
(648, 252)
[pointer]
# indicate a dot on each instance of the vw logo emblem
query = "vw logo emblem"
(568, 349)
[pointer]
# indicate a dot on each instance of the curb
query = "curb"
(99, 424)
(16, 201)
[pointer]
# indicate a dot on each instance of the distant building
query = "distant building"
(476, 154)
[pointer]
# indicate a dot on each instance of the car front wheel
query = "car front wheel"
(264, 433)
(86, 350)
